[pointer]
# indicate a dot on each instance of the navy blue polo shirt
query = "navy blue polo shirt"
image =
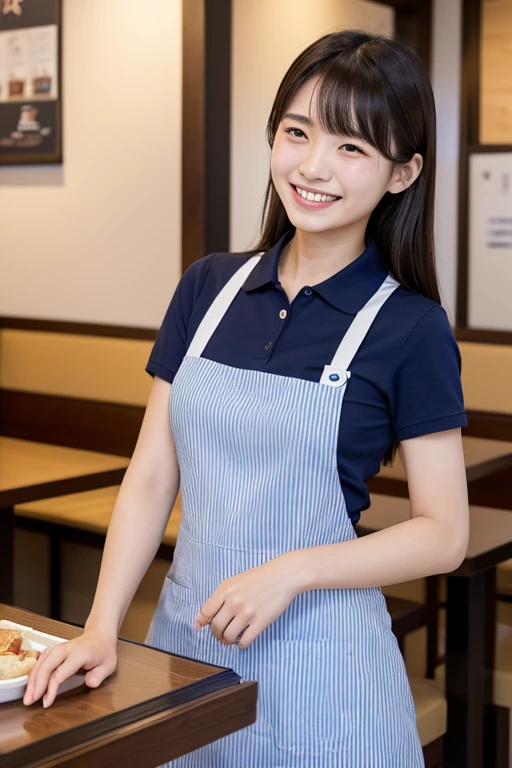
(405, 376)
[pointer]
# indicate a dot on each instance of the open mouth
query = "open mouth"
(313, 197)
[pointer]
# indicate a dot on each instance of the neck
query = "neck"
(312, 257)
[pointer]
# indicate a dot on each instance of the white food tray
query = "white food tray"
(38, 641)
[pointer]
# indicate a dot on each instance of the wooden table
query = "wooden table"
(137, 718)
(30, 471)
(482, 458)
(471, 624)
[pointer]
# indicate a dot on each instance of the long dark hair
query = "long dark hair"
(373, 88)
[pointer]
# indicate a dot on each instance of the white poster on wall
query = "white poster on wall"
(490, 241)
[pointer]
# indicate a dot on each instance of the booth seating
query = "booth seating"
(431, 719)
(501, 700)
(504, 581)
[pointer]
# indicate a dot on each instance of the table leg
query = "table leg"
(496, 723)
(7, 555)
(466, 683)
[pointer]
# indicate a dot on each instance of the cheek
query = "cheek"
(367, 181)
(283, 159)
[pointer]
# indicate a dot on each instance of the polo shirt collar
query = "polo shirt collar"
(348, 290)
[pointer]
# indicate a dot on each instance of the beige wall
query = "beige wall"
(446, 52)
(496, 73)
(98, 238)
(274, 32)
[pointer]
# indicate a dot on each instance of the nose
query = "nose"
(315, 164)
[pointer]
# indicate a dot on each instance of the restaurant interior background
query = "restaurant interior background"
(101, 240)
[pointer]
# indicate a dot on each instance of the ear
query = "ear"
(405, 174)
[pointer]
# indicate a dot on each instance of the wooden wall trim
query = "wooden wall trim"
(469, 135)
(206, 124)
(413, 22)
(483, 336)
(492, 426)
(85, 424)
(78, 328)
(218, 51)
(193, 133)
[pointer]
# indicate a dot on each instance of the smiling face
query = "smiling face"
(305, 158)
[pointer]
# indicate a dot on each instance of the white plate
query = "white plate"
(15, 689)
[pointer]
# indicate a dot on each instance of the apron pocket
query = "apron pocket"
(179, 591)
(313, 696)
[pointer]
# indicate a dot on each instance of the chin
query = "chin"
(306, 224)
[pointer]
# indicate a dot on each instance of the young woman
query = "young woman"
(294, 372)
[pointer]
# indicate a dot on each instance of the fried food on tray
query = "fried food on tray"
(15, 661)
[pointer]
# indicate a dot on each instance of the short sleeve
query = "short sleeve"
(171, 342)
(425, 387)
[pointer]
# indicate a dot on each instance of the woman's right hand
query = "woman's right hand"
(94, 651)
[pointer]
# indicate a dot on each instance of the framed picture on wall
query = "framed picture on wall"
(490, 240)
(30, 81)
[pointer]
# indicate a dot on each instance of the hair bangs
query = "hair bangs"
(355, 104)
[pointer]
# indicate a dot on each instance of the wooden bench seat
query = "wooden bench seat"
(88, 511)
(499, 725)
(504, 580)
(431, 716)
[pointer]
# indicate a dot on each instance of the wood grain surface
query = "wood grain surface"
(148, 686)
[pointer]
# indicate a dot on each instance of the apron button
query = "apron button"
(334, 377)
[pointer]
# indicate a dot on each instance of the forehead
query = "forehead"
(305, 100)
(305, 103)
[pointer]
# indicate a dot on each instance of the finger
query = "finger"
(220, 622)
(69, 667)
(249, 635)
(235, 629)
(32, 676)
(51, 690)
(51, 659)
(210, 609)
(97, 675)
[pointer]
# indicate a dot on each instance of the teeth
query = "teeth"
(315, 197)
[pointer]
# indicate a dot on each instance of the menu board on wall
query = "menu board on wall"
(30, 101)
(490, 241)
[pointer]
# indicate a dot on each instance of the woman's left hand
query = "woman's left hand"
(244, 605)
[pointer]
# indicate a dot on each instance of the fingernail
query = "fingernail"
(45, 701)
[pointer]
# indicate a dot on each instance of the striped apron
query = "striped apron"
(257, 457)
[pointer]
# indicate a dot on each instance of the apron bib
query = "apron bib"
(257, 457)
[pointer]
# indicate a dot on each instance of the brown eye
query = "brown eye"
(352, 149)
(294, 131)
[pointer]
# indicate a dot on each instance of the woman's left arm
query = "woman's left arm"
(434, 540)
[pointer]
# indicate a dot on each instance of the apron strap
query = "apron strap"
(219, 307)
(335, 374)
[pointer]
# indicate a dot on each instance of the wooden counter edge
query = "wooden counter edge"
(164, 736)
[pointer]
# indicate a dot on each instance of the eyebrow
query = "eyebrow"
(299, 118)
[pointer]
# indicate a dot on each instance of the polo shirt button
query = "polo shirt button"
(268, 345)
(283, 314)
(308, 291)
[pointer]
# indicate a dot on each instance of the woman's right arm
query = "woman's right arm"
(140, 516)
